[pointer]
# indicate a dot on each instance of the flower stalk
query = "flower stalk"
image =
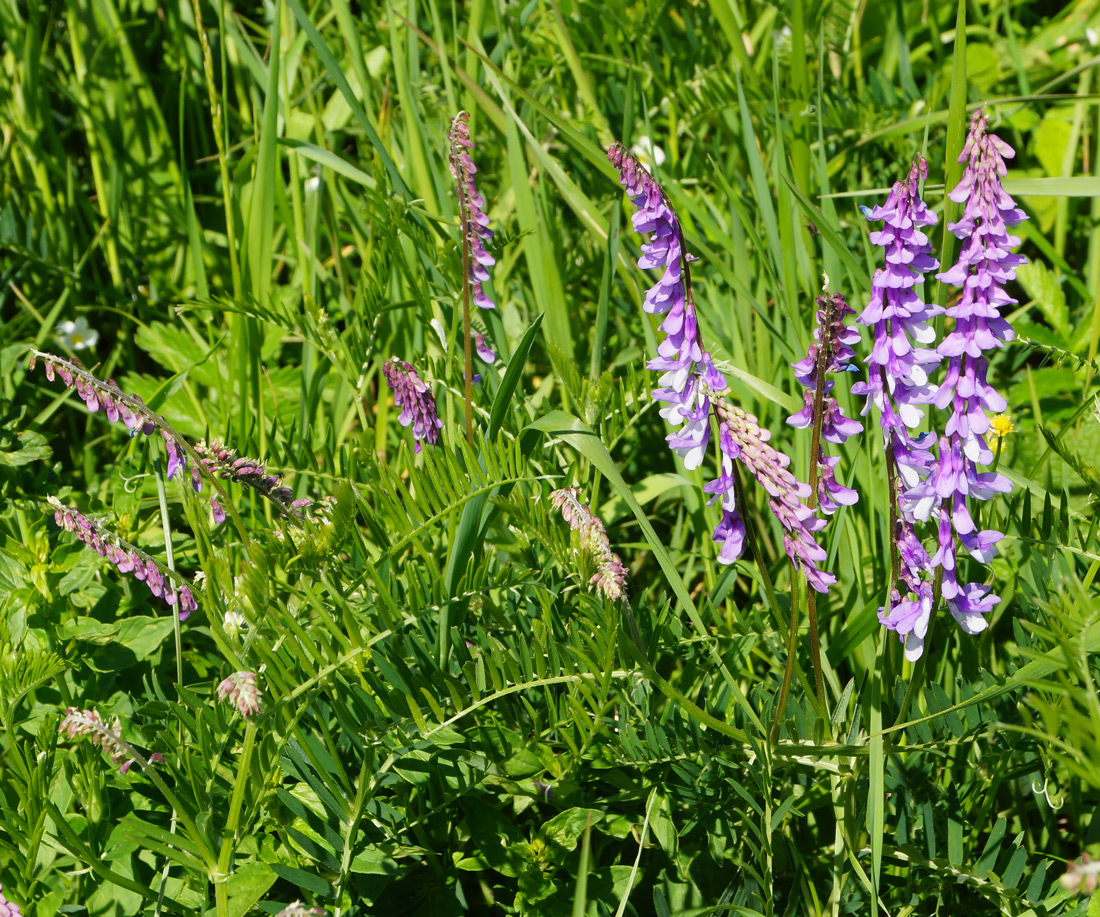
(163, 583)
(474, 232)
(609, 580)
(829, 353)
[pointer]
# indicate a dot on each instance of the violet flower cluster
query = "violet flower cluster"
(984, 266)
(691, 389)
(162, 583)
(609, 579)
(107, 735)
(475, 223)
(831, 352)
(240, 690)
(8, 908)
(106, 396)
(221, 461)
(898, 386)
(938, 487)
(413, 396)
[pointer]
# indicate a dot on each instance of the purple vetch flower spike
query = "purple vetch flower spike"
(163, 583)
(106, 396)
(221, 461)
(984, 266)
(240, 690)
(414, 397)
(471, 205)
(898, 387)
(8, 908)
(898, 366)
(831, 352)
(684, 364)
(742, 439)
(691, 387)
(107, 735)
(609, 579)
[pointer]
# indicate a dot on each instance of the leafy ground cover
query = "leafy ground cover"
(317, 662)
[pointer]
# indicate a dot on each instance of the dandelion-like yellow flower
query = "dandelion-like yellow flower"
(999, 427)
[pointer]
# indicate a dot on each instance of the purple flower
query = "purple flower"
(240, 690)
(484, 350)
(984, 266)
(691, 388)
(164, 584)
(831, 352)
(898, 386)
(221, 461)
(471, 205)
(909, 606)
(741, 438)
(609, 579)
(412, 395)
(106, 396)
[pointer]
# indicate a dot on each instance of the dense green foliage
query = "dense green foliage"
(252, 207)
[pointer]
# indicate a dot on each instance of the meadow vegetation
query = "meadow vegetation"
(272, 640)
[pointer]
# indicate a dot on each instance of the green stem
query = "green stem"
(229, 836)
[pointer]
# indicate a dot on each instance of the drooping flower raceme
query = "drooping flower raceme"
(609, 579)
(984, 266)
(898, 387)
(163, 583)
(741, 438)
(106, 396)
(107, 735)
(240, 690)
(413, 396)
(221, 461)
(691, 387)
(475, 223)
(831, 352)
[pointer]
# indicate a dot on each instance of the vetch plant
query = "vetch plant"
(609, 580)
(898, 387)
(105, 396)
(240, 690)
(692, 389)
(221, 461)
(90, 724)
(984, 266)
(413, 396)
(831, 352)
(474, 231)
(162, 582)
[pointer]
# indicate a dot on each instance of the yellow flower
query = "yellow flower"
(999, 427)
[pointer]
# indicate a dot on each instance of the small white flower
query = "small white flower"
(649, 154)
(234, 623)
(77, 335)
(313, 185)
(1093, 36)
